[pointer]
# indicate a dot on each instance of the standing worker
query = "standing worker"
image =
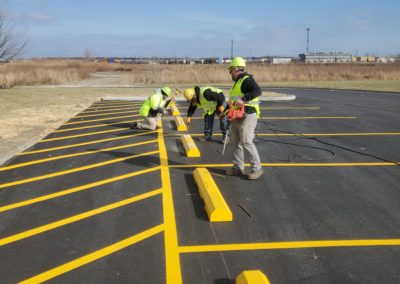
(245, 91)
(153, 108)
(212, 101)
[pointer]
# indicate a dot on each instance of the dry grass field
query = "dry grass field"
(53, 72)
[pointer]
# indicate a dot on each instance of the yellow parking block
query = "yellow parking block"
(180, 125)
(215, 205)
(190, 147)
(175, 110)
(251, 277)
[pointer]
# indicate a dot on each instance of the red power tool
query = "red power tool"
(236, 111)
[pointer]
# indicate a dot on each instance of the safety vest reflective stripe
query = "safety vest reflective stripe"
(154, 102)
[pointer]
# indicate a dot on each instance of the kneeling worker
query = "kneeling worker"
(153, 108)
(212, 101)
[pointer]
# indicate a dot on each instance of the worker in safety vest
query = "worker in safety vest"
(212, 101)
(245, 91)
(153, 108)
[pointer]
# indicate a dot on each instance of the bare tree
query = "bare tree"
(11, 42)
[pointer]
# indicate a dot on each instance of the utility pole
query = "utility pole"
(232, 49)
(308, 40)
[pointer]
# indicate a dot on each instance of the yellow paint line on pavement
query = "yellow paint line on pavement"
(298, 107)
(96, 125)
(47, 275)
(362, 164)
(74, 170)
(76, 218)
(100, 119)
(103, 114)
(288, 245)
(82, 135)
(111, 109)
(298, 117)
(75, 189)
(34, 162)
(85, 143)
(172, 261)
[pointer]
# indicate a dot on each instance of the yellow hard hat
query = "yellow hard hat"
(237, 62)
(166, 91)
(189, 93)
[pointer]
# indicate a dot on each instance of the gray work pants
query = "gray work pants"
(149, 122)
(241, 138)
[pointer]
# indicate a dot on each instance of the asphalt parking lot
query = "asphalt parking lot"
(96, 202)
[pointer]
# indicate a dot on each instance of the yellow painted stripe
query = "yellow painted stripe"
(363, 164)
(332, 134)
(113, 104)
(289, 245)
(85, 143)
(96, 125)
(74, 170)
(103, 114)
(304, 134)
(100, 119)
(299, 107)
(75, 189)
(172, 266)
(94, 256)
(73, 155)
(298, 117)
(82, 135)
(111, 109)
(308, 117)
(76, 218)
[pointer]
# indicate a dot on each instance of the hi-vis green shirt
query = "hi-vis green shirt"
(236, 93)
(209, 107)
(154, 102)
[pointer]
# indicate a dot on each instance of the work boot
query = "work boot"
(205, 138)
(255, 174)
(234, 172)
(134, 126)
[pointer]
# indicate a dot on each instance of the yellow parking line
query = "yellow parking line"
(288, 245)
(76, 218)
(303, 134)
(298, 117)
(84, 143)
(82, 135)
(74, 170)
(96, 125)
(103, 114)
(299, 107)
(75, 189)
(94, 256)
(111, 109)
(100, 119)
(362, 164)
(172, 262)
(34, 162)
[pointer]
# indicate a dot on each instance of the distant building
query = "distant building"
(281, 60)
(325, 57)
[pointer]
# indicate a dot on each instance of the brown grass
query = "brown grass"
(48, 72)
(212, 74)
(53, 72)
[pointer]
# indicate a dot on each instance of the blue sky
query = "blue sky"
(204, 28)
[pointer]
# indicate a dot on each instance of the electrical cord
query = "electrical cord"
(301, 136)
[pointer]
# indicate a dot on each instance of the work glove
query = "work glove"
(221, 110)
(188, 121)
(239, 102)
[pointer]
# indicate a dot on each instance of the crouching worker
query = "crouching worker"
(212, 101)
(153, 108)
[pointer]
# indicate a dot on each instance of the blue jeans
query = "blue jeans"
(209, 125)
